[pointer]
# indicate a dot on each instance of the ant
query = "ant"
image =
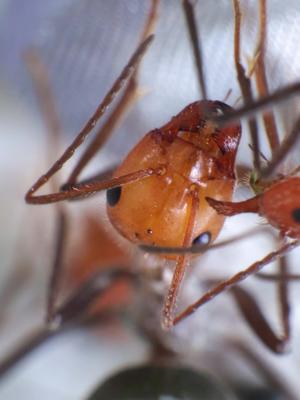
(64, 315)
(156, 197)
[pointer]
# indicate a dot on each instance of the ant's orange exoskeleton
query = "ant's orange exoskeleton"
(158, 195)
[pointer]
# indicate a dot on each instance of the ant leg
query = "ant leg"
(258, 323)
(181, 265)
(75, 307)
(282, 279)
(261, 79)
(129, 97)
(237, 278)
(284, 149)
(41, 86)
(127, 100)
(119, 83)
(284, 300)
(72, 312)
(277, 97)
(276, 277)
(57, 264)
(255, 318)
(244, 82)
(189, 13)
(85, 189)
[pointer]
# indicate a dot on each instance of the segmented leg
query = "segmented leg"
(127, 100)
(188, 8)
(72, 312)
(46, 103)
(252, 108)
(244, 82)
(261, 79)
(235, 279)
(126, 73)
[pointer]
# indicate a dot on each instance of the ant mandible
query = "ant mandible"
(157, 195)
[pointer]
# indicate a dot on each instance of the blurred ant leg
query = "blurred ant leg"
(244, 82)
(151, 21)
(127, 100)
(76, 306)
(189, 13)
(33, 341)
(73, 312)
(57, 264)
(181, 264)
(237, 278)
(46, 103)
(277, 277)
(41, 85)
(119, 83)
(258, 323)
(261, 78)
(255, 318)
(284, 149)
(227, 95)
(284, 303)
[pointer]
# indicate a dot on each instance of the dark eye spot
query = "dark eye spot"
(203, 239)
(296, 215)
(113, 195)
(149, 231)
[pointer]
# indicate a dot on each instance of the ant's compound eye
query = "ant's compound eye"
(113, 196)
(203, 239)
(296, 215)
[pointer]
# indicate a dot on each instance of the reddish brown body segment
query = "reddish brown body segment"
(279, 204)
(194, 155)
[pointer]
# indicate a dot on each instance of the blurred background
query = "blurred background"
(84, 45)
